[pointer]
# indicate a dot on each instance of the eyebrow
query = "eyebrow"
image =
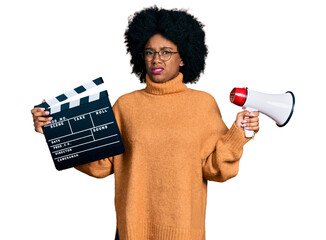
(160, 49)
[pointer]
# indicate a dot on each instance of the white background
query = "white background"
(49, 47)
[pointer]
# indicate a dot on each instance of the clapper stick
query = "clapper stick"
(83, 130)
(71, 93)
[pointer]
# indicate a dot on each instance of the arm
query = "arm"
(223, 162)
(223, 147)
(99, 169)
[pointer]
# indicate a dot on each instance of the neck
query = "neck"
(174, 85)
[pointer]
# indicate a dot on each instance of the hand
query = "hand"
(248, 120)
(40, 118)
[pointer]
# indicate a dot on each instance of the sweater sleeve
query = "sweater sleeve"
(223, 148)
(104, 167)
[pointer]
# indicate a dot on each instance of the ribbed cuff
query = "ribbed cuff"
(237, 137)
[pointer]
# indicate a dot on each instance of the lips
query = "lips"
(157, 70)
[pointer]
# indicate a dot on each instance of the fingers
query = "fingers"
(45, 119)
(40, 122)
(250, 124)
(38, 126)
(40, 118)
(38, 112)
(250, 121)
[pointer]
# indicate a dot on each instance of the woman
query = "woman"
(174, 136)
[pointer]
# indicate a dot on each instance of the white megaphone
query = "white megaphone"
(279, 107)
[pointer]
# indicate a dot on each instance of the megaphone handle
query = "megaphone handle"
(249, 133)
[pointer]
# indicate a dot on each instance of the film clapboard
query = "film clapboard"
(83, 130)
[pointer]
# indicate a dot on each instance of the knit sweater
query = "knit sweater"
(175, 140)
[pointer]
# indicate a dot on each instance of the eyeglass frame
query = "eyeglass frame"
(159, 55)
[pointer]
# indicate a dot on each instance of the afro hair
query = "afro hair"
(179, 27)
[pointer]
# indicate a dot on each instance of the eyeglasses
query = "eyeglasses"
(164, 55)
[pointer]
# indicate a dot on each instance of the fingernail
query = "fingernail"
(246, 128)
(48, 122)
(42, 109)
(244, 122)
(50, 118)
(46, 113)
(243, 125)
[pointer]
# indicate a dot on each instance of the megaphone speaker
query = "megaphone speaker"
(279, 107)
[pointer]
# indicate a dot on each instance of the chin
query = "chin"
(157, 78)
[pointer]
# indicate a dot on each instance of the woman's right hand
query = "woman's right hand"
(40, 118)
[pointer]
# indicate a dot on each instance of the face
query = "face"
(162, 71)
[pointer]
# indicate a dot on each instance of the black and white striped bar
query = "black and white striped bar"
(77, 102)
(71, 93)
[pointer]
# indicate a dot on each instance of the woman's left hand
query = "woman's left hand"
(248, 120)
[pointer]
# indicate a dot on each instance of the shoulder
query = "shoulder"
(128, 98)
(201, 96)
(205, 102)
(127, 102)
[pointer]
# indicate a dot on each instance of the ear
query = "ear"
(181, 63)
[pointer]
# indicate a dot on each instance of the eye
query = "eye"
(165, 52)
(148, 53)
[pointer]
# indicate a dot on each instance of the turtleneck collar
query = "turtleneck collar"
(174, 85)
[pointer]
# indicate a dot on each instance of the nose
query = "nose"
(156, 57)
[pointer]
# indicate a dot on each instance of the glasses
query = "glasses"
(164, 55)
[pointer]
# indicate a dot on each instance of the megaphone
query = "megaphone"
(279, 107)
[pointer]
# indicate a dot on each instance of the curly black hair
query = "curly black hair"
(179, 27)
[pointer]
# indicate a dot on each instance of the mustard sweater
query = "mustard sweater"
(175, 141)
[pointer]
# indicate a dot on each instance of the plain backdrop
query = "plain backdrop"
(49, 47)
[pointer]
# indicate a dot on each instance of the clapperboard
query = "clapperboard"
(83, 130)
